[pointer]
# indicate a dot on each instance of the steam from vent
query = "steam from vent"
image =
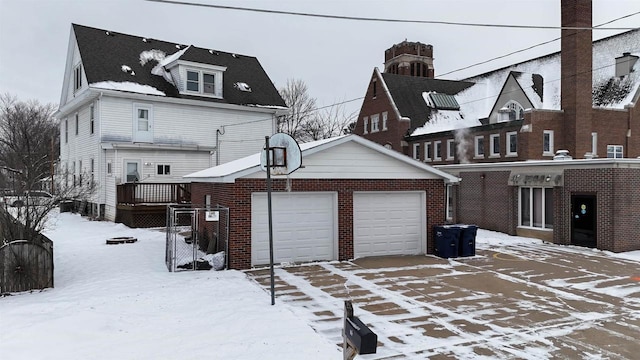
(463, 143)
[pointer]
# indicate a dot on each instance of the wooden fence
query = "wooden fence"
(26, 265)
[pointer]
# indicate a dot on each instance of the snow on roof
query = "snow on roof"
(153, 54)
(477, 101)
(127, 86)
(249, 162)
(445, 120)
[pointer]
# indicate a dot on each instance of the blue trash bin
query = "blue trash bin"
(446, 241)
(467, 246)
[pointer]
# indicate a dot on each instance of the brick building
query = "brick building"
(498, 129)
(374, 202)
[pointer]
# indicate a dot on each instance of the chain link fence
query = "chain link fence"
(197, 237)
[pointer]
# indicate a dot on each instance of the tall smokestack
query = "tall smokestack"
(576, 84)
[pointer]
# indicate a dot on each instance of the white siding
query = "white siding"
(239, 133)
(354, 161)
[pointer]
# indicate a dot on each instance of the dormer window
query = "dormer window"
(203, 81)
(511, 111)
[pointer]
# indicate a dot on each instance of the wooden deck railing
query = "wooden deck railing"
(153, 193)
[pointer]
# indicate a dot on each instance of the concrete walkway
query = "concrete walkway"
(524, 301)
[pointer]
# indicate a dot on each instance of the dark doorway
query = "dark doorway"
(583, 220)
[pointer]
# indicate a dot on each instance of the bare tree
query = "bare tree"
(305, 122)
(29, 141)
(301, 105)
(327, 122)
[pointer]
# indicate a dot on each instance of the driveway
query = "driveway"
(521, 301)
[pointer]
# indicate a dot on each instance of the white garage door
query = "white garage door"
(390, 223)
(304, 227)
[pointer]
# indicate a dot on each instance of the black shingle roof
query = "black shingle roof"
(104, 53)
(406, 92)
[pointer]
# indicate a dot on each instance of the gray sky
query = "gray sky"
(334, 57)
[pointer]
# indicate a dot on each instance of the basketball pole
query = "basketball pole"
(268, 150)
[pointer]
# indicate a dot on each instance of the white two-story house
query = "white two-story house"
(136, 109)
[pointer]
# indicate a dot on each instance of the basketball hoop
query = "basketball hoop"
(284, 154)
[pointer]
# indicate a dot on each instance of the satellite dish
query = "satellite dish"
(285, 155)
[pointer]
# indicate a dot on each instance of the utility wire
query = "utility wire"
(358, 18)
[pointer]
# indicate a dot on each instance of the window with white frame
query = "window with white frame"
(204, 82)
(92, 169)
(547, 142)
(479, 146)
(375, 123)
(92, 118)
(427, 151)
(494, 145)
(437, 150)
(536, 207)
(451, 149)
(385, 115)
(416, 151)
(512, 143)
(449, 202)
(365, 121)
(516, 111)
(77, 77)
(615, 151)
(163, 169)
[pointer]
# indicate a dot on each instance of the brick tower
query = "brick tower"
(409, 58)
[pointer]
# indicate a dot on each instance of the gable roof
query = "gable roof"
(116, 61)
(406, 92)
(539, 79)
(229, 172)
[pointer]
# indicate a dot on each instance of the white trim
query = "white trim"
(375, 123)
(149, 131)
(616, 150)
(437, 150)
(428, 151)
(476, 154)
(451, 154)
(551, 151)
(388, 93)
(508, 137)
(385, 116)
(492, 153)
(365, 121)
(416, 151)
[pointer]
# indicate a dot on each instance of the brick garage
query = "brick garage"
(487, 196)
(370, 169)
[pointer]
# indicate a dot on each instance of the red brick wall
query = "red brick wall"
(237, 197)
(611, 126)
(486, 200)
(626, 203)
(396, 128)
(597, 182)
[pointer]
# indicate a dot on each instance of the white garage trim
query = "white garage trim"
(389, 223)
(305, 227)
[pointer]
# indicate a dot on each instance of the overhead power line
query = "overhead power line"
(372, 19)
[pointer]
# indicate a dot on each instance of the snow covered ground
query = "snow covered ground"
(120, 302)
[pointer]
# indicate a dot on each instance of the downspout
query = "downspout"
(218, 132)
(101, 157)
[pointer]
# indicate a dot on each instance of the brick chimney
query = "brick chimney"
(576, 84)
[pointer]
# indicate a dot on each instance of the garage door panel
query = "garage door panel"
(390, 223)
(303, 227)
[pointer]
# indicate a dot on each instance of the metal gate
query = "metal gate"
(197, 237)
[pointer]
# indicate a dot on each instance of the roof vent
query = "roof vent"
(213, 52)
(562, 155)
(235, 55)
(145, 40)
(127, 69)
(109, 33)
(625, 63)
(178, 46)
(242, 86)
